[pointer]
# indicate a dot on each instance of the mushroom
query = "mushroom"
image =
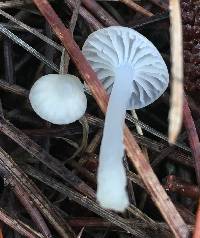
(132, 70)
(59, 99)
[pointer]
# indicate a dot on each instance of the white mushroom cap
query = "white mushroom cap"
(59, 99)
(110, 48)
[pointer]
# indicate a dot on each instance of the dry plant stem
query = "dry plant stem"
(90, 204)
(8, 59)
(145, 152)
(1, 230)
(11, 169)
(11, 4)
(162, 4)
(19, 226)
(140, 132)
(99, 122)
(137, 7)
(99, 12)
(95, 142)
(27, 47)
(187, 214)
(30, 207)
(86, 15)
(31, 30)
(64, 64)
(87, 174)
(36, 151)
(134, 153)
(196, 233)
(140, 215)
(13, 88)
(176, 98)
(193, 137)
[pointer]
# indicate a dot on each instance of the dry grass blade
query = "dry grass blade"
(39, 153)
(16, 3)
(31, 30)
(11, 169)
(27, 47)
(134, 153)
(29, 205)
(176, 100)
(19, 226)
(91, 205)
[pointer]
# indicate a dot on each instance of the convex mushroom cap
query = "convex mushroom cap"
(133, 71)
(59, 99)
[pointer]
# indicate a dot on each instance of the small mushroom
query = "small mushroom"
(132, 70)
(59, 99)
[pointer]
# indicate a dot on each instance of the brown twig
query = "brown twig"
(87, 16)
(90, 204)
(13, 88)
(64, 63)
(134, 153)
(52, 163)
(29, 206)
(19, 226)
(193, 137)
(98, 11)
(196, 233)
(186, 214)
(137, 7)
(11, 169)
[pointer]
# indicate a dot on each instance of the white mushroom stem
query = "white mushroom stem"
(111, 191)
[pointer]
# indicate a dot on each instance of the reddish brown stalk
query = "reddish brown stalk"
(30, 207)
(192, 136)
(13, 88)
(86, 15)
(100, 13)
(10, 169)
(19, 226)
(151, 182)
(51, 162)
(175, 184)
(137, 7)
(196, 233)
(162, 4)
(1, 232)
(89, 222)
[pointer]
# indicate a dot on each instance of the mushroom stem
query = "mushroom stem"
(111, 191)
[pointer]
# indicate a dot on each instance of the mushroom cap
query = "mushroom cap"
(109, 48)
(59, 99)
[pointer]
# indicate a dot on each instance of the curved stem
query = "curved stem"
(111, 191)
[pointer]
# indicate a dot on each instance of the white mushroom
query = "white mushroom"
(131, 68)
(59, 99)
